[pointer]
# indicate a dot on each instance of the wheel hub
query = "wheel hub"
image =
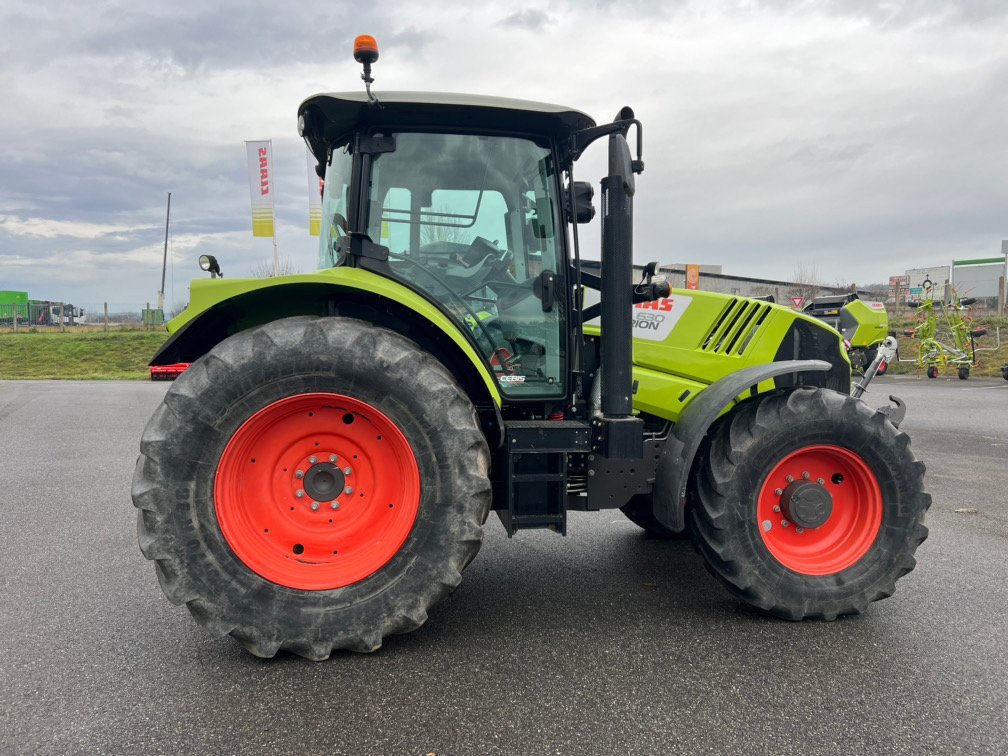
(324, 481)
(806, 504)
(819, 509)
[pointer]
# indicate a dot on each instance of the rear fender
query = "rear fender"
(672, 475)
(218, 312)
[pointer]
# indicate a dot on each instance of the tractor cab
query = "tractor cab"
(465, 199)
(461, 200)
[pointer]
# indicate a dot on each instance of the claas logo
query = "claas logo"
(662, 305)
(263, 172)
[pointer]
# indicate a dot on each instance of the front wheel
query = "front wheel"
(311, 485)
(932, 371)
(964, 373)
(809, 504)
(640, 511)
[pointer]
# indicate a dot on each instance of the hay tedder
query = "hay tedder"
(319, 477)
(934, 354)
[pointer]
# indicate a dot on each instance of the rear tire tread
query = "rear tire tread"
(158, 494)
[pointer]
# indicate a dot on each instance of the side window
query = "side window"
(471, 221)
(334, 209)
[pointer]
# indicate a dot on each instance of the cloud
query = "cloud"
(531, 19)
(866, 137)
(48, 228)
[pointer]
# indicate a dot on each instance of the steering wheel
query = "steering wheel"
(337, 236)
(483, 247)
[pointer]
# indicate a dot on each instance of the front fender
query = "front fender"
(672, 475)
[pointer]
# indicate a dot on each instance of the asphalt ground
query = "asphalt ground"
(603, 642)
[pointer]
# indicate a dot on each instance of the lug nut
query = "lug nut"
(784, 523)
(335, 505)
(776, 508)
(332, 457)
(799, 530)
(778, 491)
(300, 493)
(299, 474)
(348, 490)
(805, 475)
(314, 506)
(313, 460)
(789, 479)
(347, 471)
(821, 482)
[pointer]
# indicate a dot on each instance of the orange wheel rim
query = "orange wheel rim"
(830, 491)
(317, 491)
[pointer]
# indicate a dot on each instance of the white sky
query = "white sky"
(861, 138)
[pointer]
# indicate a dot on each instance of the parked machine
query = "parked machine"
(864, 324)
(16, 310)
(319, 477)
(933, 354)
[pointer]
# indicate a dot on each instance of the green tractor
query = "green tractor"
(865, 325)
(320, 476)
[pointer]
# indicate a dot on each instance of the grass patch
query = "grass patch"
(82, 355)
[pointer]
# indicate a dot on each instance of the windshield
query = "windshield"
(472, 221)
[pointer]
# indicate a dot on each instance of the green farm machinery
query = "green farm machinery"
(18, 311)
(934, 354)
(863, 324)
(320, 476)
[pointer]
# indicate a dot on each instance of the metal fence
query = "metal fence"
(63, 316)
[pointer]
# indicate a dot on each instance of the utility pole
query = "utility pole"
(1003, 298)
(164, 263)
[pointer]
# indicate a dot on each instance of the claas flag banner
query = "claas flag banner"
(260, 172)
(315, 185)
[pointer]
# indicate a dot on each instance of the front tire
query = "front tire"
(311, 485)
(863, 505)
(964, 373)
(640, 511)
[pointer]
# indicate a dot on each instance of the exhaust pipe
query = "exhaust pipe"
(617, 280)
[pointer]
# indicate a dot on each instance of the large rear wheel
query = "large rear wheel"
(311, 485)
(809, 504)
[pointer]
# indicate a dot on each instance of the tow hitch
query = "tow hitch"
(885, 355)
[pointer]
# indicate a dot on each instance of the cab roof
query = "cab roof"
(332, 117)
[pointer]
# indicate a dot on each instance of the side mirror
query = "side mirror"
(579, 205)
